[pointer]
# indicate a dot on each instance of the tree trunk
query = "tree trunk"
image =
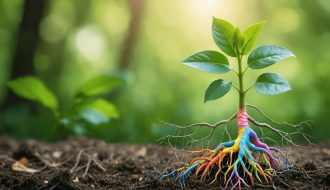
(136, 9)
(27, 42)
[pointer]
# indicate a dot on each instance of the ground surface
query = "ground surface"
(126, 167)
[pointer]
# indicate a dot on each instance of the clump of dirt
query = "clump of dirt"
(81, 163)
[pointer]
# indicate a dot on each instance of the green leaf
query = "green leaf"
(32, 88)
(250, 36)
(271, 84)
(223, 35)
(208, 61)
(98, 85)
(93, 116)
(238, 39)
(267, 55)
(98, 111)
(104, 106)
(217, 89)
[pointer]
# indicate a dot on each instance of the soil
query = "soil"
(62, 166)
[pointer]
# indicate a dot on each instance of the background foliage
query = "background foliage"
(144, 42)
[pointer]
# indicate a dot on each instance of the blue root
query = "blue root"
(187, 172)
(182, 177)
(226, 144)
(171, 174)
(286, 164)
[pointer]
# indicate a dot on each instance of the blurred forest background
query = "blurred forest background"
(67, 42)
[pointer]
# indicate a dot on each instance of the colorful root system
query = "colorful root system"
(240, 162)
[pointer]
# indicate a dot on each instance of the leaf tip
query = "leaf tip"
(205, 99)
(184, 61)
(218, 19)
(262, 24)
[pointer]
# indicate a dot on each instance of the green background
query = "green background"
(82, 39)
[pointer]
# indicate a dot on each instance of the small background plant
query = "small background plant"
(88, 111)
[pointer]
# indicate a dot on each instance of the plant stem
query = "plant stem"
(241, 84)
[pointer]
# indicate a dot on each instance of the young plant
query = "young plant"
(89, 109)
(236, 159)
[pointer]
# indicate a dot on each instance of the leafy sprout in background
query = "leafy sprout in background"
(89, 108)
(237, 160)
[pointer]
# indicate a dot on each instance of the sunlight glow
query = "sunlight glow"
(89, 42)
(207, 5)
(204, 8)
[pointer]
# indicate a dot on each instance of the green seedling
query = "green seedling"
(239, 160)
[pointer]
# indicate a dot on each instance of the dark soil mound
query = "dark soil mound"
(82, 163)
